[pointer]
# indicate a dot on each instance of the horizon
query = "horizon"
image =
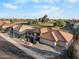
(55, 9)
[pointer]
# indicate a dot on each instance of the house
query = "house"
(33, 35)
(75, 25)
(75, 28)
(51, 36)
(6, 27)
(4, 22)
(19, 29)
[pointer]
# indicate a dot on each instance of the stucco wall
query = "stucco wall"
(61, 43)
(48, 42)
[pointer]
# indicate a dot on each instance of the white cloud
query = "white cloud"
(48, 1)
(70, 6)
(41, 6)
(10, 6)
(54, 1)
(51, 11)
(71, 1)
(54, 10)
(21, 1)
(36, 1)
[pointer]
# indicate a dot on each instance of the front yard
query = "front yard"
(43, 50)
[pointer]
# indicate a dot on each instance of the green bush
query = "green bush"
(0, 28)
(59, 23)
(35, 42)
(70, 52)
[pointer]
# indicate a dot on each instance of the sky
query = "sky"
(67, 9)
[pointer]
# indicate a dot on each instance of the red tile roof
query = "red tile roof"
(47, 36)
(66, 35)
(49, 33)
(44, 30)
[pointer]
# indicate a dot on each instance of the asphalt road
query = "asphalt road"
(9, 51)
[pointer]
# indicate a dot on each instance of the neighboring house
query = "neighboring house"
(51, 36)
(1, 23)
(75, 28)
(33, 35)
(76, 25)
(6, 27)
(19, 29)
(4, 22)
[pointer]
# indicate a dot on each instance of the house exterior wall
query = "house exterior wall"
(48, 42)
(61, 43)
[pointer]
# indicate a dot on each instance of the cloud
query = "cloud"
(51, 11)
(71, 1)
(10, 6)
(41, 6)
(48, 1)
(21, 1)
(54, 1)
(36, 1)
(54, 10)
(70, 6)
(14, 4)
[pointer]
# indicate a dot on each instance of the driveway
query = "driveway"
(9, 51)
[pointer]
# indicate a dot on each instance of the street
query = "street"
(9, 51)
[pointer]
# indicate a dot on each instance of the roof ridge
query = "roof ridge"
(18, 27)
(55, 37)
(50, 32)
(60, 35)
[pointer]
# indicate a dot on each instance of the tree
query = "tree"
(0, 27)
(29, 21)
(34, 22)
(70, 52)
(45, 19)
(59, 23)
(12, 20)
(77, 32)
(40, 19)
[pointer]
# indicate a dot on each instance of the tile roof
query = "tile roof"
(35, 30)
(55, 37)
(47, 36)
(7, 25)
(25, 27)
(67, 36)
(44, 30)
(48, 33)
(2, 22)
(58, 35)
(17, 27)
(54, 34)
(5, 21)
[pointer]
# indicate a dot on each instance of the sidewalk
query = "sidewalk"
(26, 50)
